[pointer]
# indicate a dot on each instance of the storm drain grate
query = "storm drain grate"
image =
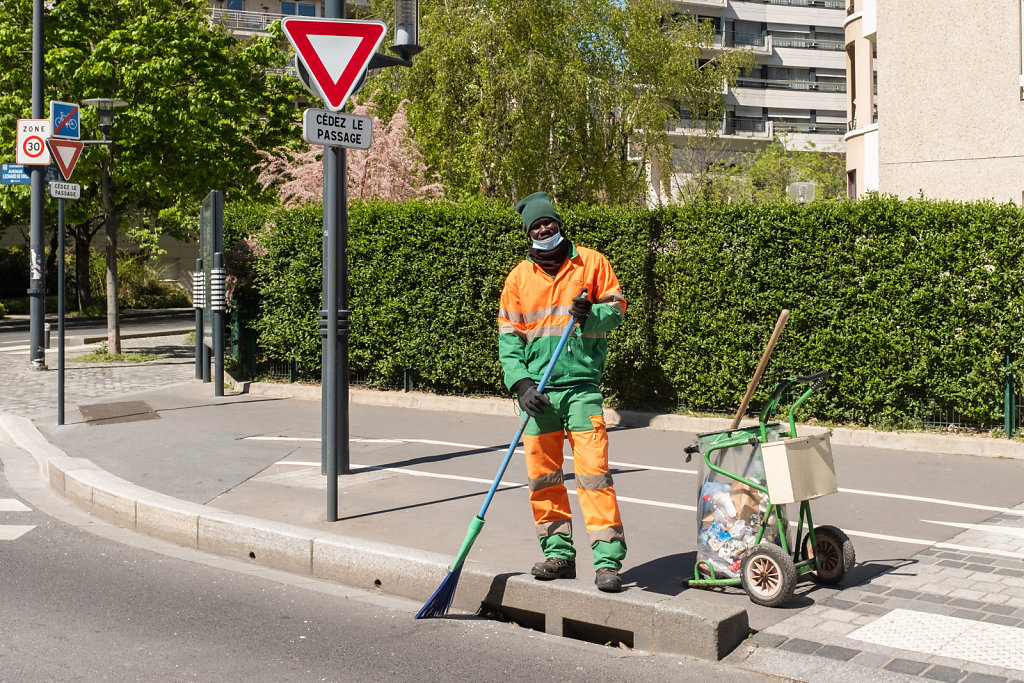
(117, 413)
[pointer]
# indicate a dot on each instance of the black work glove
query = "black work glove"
(581, 307)
(532, 401)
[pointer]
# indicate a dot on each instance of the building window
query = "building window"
(234, 5)
(851, 184)
(301, 9)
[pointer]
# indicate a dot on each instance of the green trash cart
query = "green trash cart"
(742, 522)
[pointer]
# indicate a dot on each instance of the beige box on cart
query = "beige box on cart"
(799, 468)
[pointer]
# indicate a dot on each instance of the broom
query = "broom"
(441, 600)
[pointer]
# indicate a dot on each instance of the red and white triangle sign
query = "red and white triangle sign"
(65, 153)
(335, 52)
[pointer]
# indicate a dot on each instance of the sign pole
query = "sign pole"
(37, 283)
(60, 311)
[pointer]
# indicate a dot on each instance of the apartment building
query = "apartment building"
(950, 79)
(797, 90)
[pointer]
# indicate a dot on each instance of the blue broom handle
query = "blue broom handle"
(526, 418)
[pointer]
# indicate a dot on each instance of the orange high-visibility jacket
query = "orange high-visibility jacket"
(535, 310)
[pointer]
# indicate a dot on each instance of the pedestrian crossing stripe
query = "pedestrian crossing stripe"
(11, 532)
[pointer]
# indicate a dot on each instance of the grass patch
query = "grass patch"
(100, 355)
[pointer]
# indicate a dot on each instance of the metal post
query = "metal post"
(217, 305)
(198, 289)
(60, 311)
(37, 283)
(1009, 399)
(334, 407)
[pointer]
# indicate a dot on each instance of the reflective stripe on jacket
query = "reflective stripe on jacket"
(535, 310)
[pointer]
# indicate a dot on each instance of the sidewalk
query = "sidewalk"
(240, 476)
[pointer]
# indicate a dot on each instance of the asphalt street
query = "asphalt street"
(86, 601)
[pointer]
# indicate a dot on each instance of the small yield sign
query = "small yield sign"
(31, 144)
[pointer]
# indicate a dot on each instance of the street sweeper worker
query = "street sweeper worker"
(556, 281)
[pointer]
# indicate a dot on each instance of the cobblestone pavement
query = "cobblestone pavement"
(33, 393)
(953, 612)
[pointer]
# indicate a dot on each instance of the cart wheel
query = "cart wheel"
(834, 550)
(768, 575)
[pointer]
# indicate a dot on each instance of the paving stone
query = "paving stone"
(843, 654)
(984, 678)
(975, 567)
(901, 593)
(998, 609)
(1005, 621)
(906, 666)
(968, 604)
(768, 639)
(969, 614)
(1005, 571)
(806, 647)
(873, 610)
(937, 599)
(944, 673)
(872, 588)
(871, 660)
(952, 563)
(838, 603)
(875, 599)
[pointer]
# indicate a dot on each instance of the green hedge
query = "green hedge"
(911, 304)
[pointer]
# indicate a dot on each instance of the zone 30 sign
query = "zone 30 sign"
(31, 146)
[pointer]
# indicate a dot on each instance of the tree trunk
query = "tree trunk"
(113, 323)
(110, 220)
(83, 286)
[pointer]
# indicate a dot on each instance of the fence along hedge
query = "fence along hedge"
(911, 304)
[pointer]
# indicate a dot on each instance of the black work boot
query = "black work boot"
(608, 580)
(554, 568)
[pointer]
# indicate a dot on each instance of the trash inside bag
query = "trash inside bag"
(729, 513)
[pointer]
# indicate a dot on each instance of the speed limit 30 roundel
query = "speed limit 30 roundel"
(31, 144)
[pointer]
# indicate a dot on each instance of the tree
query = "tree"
(201, 104)
(765, 174)
(570, 96)
(391, 169)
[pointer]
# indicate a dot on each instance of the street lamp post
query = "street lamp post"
(105, 107)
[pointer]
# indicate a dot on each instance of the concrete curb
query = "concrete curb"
(677, 624)
(901, 441)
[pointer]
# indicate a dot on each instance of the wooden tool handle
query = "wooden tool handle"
(781, 323)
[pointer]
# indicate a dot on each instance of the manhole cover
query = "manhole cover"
(114, 413)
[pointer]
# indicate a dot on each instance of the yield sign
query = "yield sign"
(65, 153)
(335, 52)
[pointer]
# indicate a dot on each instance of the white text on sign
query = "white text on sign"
(334, 129)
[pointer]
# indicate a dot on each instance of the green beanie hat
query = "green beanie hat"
(536, 205)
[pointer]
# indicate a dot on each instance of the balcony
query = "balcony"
(809, 128)
(238, 21)
(821, 4)
(758, 43)
(808, 43)
(734, 128)
(774, 84)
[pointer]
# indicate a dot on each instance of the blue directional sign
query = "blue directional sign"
(64, 121)
(14, 174)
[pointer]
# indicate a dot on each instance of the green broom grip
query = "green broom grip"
(474, 530)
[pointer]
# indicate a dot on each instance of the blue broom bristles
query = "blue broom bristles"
(441, 600)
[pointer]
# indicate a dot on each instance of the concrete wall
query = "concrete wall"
(952, 126)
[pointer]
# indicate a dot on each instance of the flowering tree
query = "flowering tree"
(391, 169)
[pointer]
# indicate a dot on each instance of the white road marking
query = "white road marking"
(936, 501)
(10, 532)
(861, 492)
(12, 505)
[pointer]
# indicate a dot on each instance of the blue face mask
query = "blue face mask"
(550, 243)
